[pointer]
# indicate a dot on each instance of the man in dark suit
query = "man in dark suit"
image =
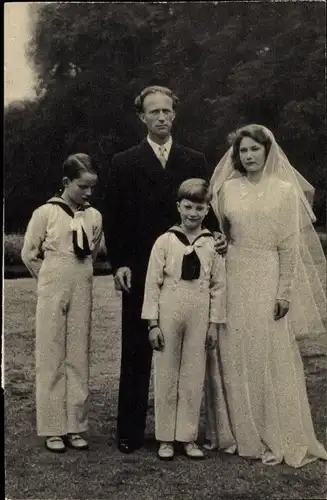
(139, 206)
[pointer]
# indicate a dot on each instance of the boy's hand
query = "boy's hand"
(156, 339)
(281, 308)
(211, 339)
(220, 243)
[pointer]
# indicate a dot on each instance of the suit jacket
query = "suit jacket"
(140, 201)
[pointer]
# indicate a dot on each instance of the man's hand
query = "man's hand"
(211, 339)
(123, 279)
(220, 243)
(156, 339)
(281, 308)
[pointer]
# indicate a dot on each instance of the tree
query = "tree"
(231, 63)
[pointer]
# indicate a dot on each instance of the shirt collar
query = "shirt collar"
(156, 146)
(178, 230)
(57, 200)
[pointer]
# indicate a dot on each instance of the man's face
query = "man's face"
(158, 116)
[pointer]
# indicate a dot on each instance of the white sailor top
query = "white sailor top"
(174, 258)
(54, 227)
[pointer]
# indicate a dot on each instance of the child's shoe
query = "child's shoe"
(55, 444)
(193, 451)
(166, 451)
(76, 441)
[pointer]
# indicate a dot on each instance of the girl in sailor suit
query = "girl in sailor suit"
(184, 303)
(60, 245)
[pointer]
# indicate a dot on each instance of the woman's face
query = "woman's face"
(252, 154)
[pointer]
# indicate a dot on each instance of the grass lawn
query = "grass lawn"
(103, 472)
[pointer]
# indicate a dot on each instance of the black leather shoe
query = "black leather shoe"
(125, 446)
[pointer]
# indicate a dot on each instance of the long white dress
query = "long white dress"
(261, 372)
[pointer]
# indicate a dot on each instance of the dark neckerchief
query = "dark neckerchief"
(191, 265)
(80, 253)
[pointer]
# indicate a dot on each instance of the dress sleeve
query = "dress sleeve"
(218, 291)
(288, 242)
(34, 237)
(97, 234)
(154, 278)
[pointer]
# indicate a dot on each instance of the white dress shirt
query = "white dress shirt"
(158, 147)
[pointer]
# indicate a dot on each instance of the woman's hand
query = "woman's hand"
(211, 339)
(156, 339)
(220, 243)
(281, 308)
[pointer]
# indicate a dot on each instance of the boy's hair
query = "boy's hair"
(153, 89)
(76, 164)
(196, 190)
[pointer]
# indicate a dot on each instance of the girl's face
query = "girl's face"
(252, 154)
(79, 190)
(192, 213)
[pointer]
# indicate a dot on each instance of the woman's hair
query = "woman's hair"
(255, 132)
(76, 164)
(138, 103)
(196, 190)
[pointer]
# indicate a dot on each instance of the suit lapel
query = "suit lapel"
(176, 154)
(151, 167)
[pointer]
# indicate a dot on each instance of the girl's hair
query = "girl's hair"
(138, 103)
(76, 164)
(255, 132)
(197, 190)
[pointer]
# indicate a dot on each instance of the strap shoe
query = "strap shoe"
(193, 451)
(76, 441)
(55, 444)
(166, 451)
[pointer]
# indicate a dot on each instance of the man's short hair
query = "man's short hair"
(153, 89)
(196, 190)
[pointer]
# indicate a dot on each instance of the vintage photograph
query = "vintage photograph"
(164, 333)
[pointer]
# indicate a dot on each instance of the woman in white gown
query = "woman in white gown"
(275, 266)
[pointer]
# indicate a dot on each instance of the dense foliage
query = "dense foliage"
(230, 63)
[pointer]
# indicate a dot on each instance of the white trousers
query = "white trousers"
(63, 321)
(179, 368)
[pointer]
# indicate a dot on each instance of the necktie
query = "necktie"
(162, 157)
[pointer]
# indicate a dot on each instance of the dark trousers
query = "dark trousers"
(135, 369)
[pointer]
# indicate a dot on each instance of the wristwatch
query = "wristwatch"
(152, 326)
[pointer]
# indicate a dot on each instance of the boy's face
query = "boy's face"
(192, 213)
(80, 190)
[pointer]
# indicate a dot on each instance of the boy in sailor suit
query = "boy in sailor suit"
(61, 242)
(184, 303)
